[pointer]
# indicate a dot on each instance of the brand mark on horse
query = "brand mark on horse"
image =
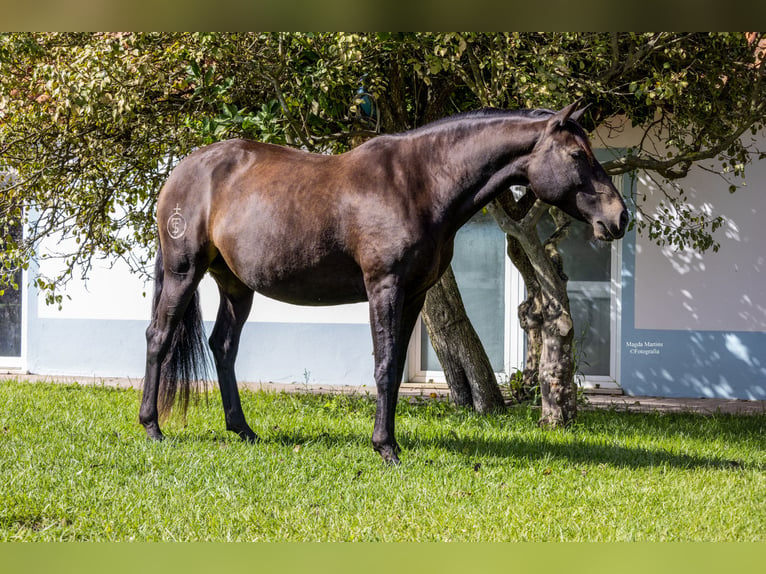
(176, 223)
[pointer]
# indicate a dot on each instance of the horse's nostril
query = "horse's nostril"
(624, 218)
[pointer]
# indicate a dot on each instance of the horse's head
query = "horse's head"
(563, 171)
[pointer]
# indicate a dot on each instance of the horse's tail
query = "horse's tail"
(186, 367)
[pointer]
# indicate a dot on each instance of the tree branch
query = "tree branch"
(683, 161)
(286, 110)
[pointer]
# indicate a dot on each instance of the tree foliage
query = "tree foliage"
(91, 124)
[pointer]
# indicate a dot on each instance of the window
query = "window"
(478, 262)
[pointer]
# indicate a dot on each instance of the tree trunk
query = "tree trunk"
(530, 315)
(546, 310)
(469, 373)
(556, 369)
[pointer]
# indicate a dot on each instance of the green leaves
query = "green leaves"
(91, 124)
(88, 128)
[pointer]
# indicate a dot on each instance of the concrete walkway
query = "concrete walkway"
(621, 403)
(667, 405)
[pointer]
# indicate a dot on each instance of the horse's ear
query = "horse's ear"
(560, 118)
(578, 114)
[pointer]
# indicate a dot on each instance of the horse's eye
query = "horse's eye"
(577, 153)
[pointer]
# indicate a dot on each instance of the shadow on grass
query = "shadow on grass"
(582, 453)
(585, 451)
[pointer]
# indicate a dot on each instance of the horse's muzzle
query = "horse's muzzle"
(609, 231)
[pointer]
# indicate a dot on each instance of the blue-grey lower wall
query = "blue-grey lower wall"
(693, 364)
(331, 354)
(86, 347)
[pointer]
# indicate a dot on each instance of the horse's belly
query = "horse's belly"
(315, 296)
(329, 283)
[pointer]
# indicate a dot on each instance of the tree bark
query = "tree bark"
(530, 313)
(546, 309)
(469, 373)
(556, 369)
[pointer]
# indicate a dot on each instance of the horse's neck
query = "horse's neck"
(480, 163)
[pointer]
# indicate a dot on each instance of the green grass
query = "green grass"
(74, 465)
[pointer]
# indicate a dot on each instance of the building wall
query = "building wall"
(100, 329)
(694, 325)
(691, 324)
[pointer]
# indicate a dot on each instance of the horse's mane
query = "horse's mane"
(480, 114)
(492, 113)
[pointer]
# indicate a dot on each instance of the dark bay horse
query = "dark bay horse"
(374, 224)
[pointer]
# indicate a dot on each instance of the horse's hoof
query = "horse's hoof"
(389, 455)
(250, 437)
(247, 435)
(154, 435)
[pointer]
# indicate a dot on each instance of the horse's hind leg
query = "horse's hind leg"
(171, 302)
(236, 301)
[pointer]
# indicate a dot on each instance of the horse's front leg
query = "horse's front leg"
(236, 301)
(392, 319)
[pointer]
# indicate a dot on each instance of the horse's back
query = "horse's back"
(270, 213)
(219, 163)
(233, 178)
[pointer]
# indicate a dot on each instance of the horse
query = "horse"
(376, 223)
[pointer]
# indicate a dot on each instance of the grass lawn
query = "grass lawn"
(75, 465)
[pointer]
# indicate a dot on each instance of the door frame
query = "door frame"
(17, 364)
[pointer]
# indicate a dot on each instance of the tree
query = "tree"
(90, 125)
(109, 114)
(662, 82)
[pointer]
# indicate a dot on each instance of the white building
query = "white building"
(650, 320)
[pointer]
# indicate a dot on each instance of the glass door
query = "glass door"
(11, 321)
(479, 266)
